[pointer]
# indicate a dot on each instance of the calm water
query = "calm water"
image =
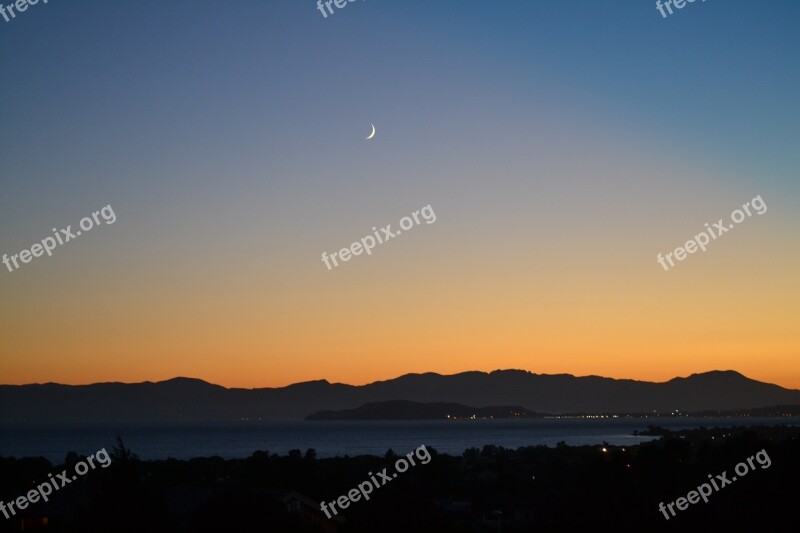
(160, 441)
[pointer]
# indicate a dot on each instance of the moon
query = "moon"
(371, 135)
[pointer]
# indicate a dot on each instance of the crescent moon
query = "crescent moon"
(371, 135)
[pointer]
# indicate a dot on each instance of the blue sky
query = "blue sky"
(229, 137)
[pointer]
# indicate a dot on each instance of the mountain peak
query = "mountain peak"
(184, 383)
(184, 380)
(717, 375)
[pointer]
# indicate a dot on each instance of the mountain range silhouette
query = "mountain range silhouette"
(194, 400)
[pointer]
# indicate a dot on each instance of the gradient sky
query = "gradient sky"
(562, 145)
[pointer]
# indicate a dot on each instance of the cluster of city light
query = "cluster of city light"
(589, 416)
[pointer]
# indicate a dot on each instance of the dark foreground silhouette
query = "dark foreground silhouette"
(588, 488)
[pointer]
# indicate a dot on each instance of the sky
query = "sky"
(562, 145)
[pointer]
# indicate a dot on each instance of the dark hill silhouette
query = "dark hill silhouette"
(183, 399)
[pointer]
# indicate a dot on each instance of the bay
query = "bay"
(337, 438)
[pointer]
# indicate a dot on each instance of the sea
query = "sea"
(337, 438)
